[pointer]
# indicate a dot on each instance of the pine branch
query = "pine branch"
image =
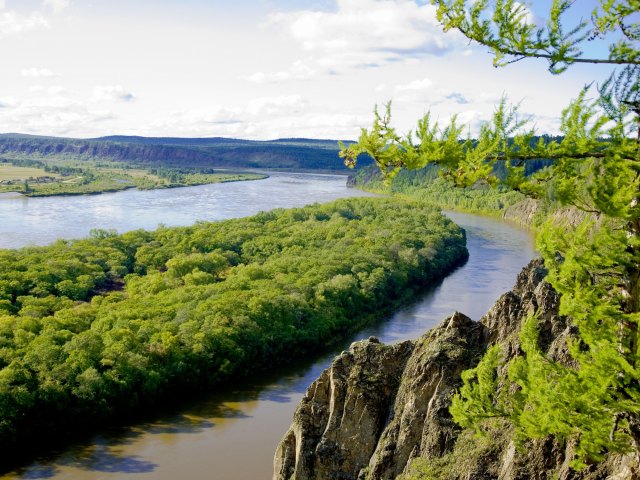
(547, 56)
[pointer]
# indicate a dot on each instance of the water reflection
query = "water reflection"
(98, 457)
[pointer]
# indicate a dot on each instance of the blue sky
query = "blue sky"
(253, 68)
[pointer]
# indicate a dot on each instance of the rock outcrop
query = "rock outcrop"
(379, 407)
(530, 212)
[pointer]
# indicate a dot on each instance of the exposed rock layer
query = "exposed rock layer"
(378, 407)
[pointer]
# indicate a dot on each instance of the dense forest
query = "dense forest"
(426, 184)
(149, 152)
(96, 328)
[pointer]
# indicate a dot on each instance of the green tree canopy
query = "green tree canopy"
(595, 267)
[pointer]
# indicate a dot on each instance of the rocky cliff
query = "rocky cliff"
(381, 411)
(530, 213)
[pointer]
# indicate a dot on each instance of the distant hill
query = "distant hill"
(288, 153)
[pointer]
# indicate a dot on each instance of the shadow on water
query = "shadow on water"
(98, 458)
(103, 458)
(103, 452)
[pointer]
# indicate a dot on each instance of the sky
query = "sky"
(255, 69)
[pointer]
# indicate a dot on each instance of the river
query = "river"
(42, 220)
(232, 434)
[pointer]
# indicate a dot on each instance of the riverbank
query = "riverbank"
(509, 206)
(109, 184)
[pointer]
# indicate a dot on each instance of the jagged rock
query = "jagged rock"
(338, 423)
(378, 407)
(419, 422)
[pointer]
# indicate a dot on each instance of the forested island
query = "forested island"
(92, 330)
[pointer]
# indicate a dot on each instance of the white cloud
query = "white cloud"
(51, 111)
(491, 98)
(529, 18)
(279, 105)
(13, 23)
(8, 102)
(315, 123)
(263, 118)
(543, 123)
(473, 119)
(48, 90)
(425, 84)
(34, 72)
(423, 91)
(367, 33)
(298, 71)
(110, 93)
(214, 121)
(56, 5)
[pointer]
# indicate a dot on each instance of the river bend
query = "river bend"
(232, 434)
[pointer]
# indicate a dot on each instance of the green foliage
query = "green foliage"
(475, 400)
(425, 184)
(472, 457)
(94, 328)
(506, 27)
(595, 266)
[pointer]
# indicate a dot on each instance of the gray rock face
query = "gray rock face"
(378, 407)
(340, 419)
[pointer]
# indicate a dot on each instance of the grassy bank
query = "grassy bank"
(36, 179)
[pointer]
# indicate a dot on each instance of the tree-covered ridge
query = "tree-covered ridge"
(98, 327)
(150, 152)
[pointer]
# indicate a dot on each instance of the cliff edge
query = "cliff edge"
(382, 411)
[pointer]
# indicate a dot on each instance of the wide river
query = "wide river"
(40, 221)
(232, 434)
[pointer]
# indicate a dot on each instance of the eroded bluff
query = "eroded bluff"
(381, 411)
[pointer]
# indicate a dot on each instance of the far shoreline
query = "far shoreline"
(251, 176)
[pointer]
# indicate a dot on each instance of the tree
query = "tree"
(596, 269)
